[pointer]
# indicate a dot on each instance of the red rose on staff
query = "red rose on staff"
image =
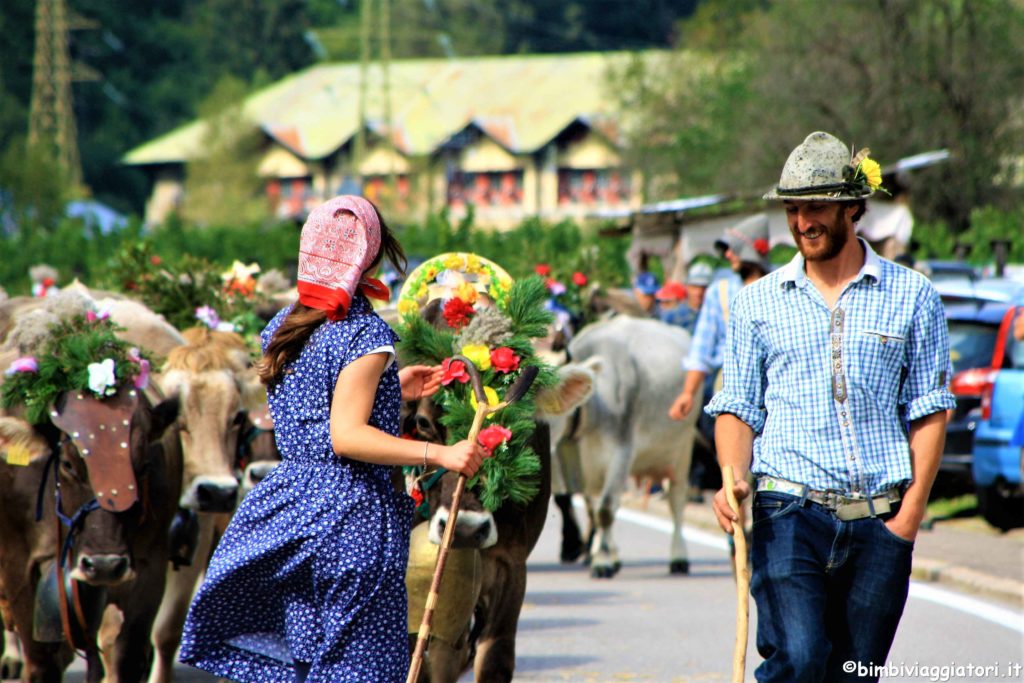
(579, 279)
(454, 371)
(493, 436)
(457, 313)
(542, 269)
(504, 359)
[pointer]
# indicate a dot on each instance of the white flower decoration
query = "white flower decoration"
(102, 381)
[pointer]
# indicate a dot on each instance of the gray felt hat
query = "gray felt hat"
(748, 239)
(820, 170)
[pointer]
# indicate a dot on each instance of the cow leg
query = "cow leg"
(505, 589)
(572, 539)
(42, 662)
(604, 553)
(11, 662)
(446, 661)
(170, 620)
(678, 559)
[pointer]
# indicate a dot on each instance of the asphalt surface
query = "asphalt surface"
(647, 626)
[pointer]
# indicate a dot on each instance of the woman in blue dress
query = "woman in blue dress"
(308, 582)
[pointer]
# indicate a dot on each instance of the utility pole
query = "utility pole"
(364, 65)
(385, 62)
(51, 114)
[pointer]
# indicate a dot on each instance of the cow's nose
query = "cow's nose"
(103, 569)
(216, 497)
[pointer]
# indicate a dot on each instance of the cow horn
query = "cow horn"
(474, 377)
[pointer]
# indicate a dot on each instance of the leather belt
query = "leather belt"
(847, 507)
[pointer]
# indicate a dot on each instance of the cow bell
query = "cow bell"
(89, 601)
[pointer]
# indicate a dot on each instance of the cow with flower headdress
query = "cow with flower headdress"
(464, 313)
(90, 472)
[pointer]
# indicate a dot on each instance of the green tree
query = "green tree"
(222, 186)
(900, 76)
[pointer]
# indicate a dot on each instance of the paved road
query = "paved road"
(645, 626)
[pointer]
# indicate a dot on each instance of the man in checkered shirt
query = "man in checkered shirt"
(834, 397)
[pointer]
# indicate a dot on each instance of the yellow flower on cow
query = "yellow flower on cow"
(407, 307)
(422, 291)
(479, 354)
(472, 263)
(431, 273)
(872, 172)
(453, 262)
(492, 399)
(467, 292)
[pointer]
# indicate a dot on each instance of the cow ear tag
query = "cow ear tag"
(17, 454)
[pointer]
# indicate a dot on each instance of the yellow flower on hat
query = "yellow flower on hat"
(492, 399)
(479, 354)
(872, 172)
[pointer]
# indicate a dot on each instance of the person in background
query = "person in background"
(826, 361)
(645, 286)
(746, 247)
(698, 278)
(673, 308)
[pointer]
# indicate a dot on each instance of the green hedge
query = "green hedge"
(75, 250)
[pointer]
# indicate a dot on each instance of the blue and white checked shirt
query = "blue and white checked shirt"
(708, 343)
(828, 392)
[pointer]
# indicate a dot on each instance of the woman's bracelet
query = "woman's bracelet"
(426, 445)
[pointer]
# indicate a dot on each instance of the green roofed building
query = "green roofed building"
(515, 136)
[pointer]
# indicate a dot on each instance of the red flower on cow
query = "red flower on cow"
(542, 269)
(761, 246)
(504, 359)
(579, 279)
(457, 313)
(454, 371)
(493, 436)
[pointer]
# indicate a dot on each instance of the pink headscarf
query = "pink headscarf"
(340, 240)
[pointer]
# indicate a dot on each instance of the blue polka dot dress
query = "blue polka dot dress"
(312, 566)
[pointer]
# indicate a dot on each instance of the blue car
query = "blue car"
(997, 462)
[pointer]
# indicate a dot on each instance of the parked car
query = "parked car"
(997, 465)
(968, 290)
(973, 332)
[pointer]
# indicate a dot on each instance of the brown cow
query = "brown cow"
(212, 376)
(505, 539)
(118, 488)
(120, 530)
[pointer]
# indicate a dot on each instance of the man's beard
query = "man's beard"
(832, 239)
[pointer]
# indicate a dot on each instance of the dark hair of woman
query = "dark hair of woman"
(302, 321)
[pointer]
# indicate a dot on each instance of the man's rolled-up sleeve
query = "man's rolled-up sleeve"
(742, 391)
(929, 365)
(706, 337)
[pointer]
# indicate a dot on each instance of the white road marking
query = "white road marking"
(1007, 618)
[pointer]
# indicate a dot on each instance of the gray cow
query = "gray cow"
(624, 429)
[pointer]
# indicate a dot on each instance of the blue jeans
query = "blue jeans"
(827, 591)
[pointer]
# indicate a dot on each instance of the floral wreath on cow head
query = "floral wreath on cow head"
(80, 353)
(478, 312)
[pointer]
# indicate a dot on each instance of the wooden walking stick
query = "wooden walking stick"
(514, 393)
(739, 654)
